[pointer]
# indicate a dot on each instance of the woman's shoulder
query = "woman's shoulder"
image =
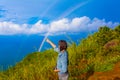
(65, 53)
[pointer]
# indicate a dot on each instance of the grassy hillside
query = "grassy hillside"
(97, 53)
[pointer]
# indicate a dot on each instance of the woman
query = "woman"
(62, 61)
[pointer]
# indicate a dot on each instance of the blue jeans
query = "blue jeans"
(63, 76)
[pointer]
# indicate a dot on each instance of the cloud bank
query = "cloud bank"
(75, 25)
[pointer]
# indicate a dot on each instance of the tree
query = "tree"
(117, 31)
(103, 35)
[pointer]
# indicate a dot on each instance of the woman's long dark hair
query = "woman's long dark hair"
(63, 45)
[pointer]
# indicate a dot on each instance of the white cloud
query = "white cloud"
(7, 28)
(56, 27)
(38, 28)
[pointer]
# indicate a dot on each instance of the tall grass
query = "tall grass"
(39, 66)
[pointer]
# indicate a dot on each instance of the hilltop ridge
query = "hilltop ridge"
(96, 54)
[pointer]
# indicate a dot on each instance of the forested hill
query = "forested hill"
(99, 52)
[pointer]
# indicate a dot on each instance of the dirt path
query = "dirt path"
(108, 75)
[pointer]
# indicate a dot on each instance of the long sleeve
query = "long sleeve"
(57, 50)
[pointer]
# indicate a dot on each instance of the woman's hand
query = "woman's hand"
(51, 43)
(47, 40)
(56, 70)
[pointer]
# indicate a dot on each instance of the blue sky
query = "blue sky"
(56, 16)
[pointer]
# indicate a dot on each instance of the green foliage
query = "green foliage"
(117, 31)
(98, 52)
(103, 35)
